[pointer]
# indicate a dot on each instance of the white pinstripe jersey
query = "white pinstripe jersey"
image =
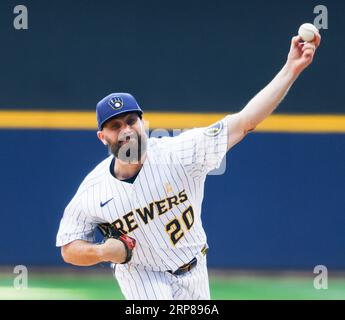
(161, 209)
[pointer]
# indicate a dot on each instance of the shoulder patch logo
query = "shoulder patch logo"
(214, 130)
(116, 103)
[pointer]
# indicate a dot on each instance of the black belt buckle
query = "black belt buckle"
(190, 265)
(186, 267)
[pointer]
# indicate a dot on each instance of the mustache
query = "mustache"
(129, 148)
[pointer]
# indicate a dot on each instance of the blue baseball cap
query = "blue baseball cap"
(113, 105)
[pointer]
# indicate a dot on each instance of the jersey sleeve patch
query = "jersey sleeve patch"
(214, 130)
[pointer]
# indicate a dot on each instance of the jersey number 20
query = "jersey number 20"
(174, 228)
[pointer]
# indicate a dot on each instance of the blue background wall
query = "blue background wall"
(280, 203)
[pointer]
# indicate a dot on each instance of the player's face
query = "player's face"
(126, 137)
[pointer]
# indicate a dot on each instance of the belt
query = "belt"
(190, 265)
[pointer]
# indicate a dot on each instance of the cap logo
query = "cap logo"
(116, 103)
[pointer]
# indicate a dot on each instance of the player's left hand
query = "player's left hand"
(302, 53)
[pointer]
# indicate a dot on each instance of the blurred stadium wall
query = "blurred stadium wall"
(280, 203)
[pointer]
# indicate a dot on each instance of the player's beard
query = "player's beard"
(130, 148)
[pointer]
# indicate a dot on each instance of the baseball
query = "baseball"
(307, 31)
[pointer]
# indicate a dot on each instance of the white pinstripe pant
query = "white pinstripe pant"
(140, 283)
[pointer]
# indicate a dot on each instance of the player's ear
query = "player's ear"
(100, 135)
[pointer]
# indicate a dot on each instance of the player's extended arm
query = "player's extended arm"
(263, 104)
(83, 253)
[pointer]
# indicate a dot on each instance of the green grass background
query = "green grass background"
(57, 286)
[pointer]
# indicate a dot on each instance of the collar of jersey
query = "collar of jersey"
(129, 180)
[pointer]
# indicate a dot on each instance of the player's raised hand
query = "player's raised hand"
(302, 53)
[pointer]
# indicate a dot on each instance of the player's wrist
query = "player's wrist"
(112, 250)
(290, 71)
(293, 70)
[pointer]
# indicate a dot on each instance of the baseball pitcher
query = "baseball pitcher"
(146, 197)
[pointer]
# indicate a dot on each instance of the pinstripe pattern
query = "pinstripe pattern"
(141, 283)
(161, 210)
